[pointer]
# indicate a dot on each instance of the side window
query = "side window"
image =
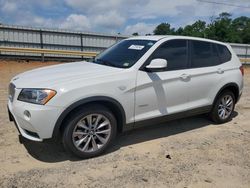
(224, 53)
(175, 52)
(203, 54)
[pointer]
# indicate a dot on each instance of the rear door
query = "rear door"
(205, 72)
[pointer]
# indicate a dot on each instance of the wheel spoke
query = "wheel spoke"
(82, 125)
(80, 141)
(223, 101)
(221, 114)
(99, 117)
(220, 106)
(95, 147)
(102, 124)
(103, 132)
(89, 120)
(224, 114)
(220, 111)
(78, 133)
(86, 146)
(102, 140)
(229, 103)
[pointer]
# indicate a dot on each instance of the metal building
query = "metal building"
(29, 37)
(242, 50)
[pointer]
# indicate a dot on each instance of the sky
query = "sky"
(114, 16)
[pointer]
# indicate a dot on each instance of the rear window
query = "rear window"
(224, 53)
(203, 54)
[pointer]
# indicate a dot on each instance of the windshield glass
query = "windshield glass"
(125, 53)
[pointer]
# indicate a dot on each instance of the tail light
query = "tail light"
(242, 70)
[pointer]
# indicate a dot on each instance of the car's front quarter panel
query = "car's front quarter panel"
(118, 86)
(83, 80)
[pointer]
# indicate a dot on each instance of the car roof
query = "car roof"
(159, 37)
(151, 37)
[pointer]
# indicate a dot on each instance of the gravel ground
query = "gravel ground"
(191, 152)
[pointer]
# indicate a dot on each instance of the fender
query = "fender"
(114, 102)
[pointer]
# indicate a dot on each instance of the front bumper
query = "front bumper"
(39, 125)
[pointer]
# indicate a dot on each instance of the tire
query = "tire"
(90, 131)
(220, 107)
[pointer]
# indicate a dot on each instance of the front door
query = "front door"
(163, 93)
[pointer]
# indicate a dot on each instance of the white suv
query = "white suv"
(138, 81)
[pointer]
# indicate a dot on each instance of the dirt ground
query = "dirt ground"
(191, 152)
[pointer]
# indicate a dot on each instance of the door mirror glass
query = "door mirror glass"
(157, 65)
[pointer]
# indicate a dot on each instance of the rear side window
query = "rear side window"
(203, 54)
(175, 52)
(224, 53)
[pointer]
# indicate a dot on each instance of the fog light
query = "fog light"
(27, 114)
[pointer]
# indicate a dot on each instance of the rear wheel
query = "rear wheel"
(223, 107)
(90, 131)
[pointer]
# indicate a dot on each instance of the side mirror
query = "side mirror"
(157, 65)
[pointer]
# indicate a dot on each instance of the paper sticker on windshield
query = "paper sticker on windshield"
(150, 44)
(125, 64)
(136, 47)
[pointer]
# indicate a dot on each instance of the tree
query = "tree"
(197, 29)
(246, 34)
(164, 29)
(240, 23)
(179, 31)
(224, 15)
(241, 28)
(135, 34)
(222, 28)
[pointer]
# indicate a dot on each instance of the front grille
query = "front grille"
(11, 91)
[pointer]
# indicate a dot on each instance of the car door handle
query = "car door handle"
(220, 71)
(185, 76)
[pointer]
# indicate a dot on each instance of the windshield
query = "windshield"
(125, 53)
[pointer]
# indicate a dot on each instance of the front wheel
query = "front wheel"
(90, 131)
(223, 107)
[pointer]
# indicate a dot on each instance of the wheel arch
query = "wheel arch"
(113, 105)
(230, 86)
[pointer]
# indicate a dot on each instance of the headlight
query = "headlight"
(36, 96)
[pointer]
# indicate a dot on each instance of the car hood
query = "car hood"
(50, 76)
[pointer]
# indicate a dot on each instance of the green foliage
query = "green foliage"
(197, 29)
(135, 34)
(222, 28)
(164, 29)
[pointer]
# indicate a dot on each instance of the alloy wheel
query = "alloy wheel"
(225, 107)
(91, 132)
